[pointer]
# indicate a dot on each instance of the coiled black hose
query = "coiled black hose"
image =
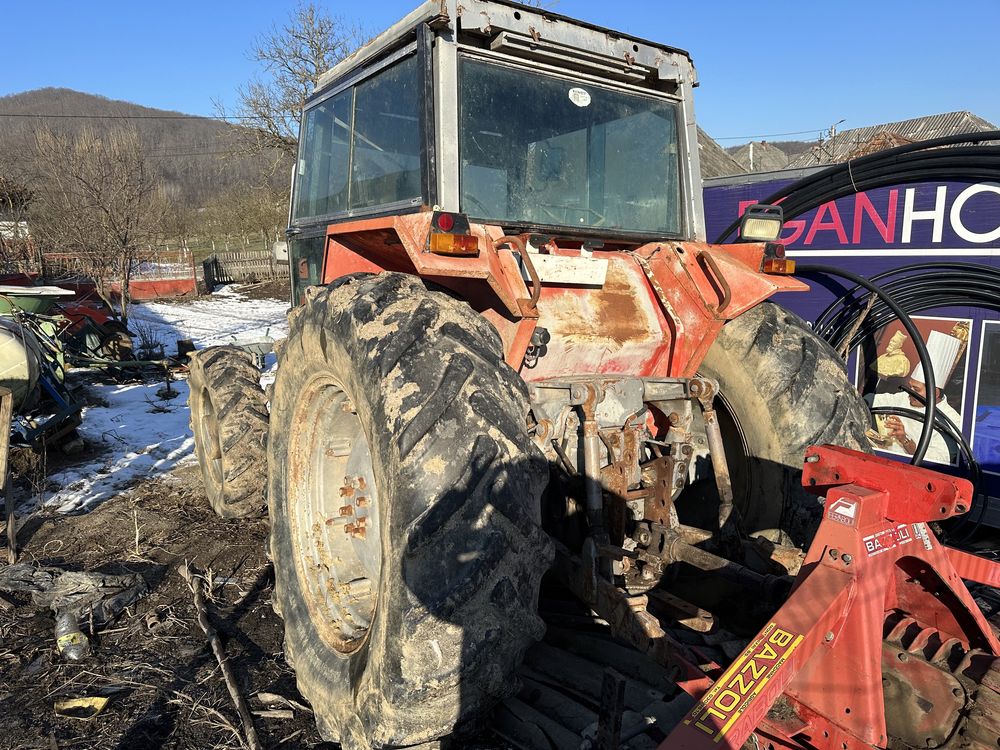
(916, 288)
(930, 409)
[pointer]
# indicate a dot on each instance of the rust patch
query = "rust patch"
(620, 312)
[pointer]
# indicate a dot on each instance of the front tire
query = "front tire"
(412, 625)
(229, 421)
(782, 389)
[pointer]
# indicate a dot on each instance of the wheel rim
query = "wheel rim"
(333, 514)
(211, 448)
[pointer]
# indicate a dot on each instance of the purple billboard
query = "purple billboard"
(879, 230)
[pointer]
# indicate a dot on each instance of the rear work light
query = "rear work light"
(775, 261)
(450, 235)
(761, 223)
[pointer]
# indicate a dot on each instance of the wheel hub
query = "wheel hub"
(333, 510)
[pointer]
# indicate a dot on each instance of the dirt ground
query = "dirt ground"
(164, 685)
(273, 289)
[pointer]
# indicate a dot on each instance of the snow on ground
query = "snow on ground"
(223, 318)
(141, 433)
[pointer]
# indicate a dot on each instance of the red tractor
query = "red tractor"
(512, 354)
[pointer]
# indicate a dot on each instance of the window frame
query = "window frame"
(421, 48)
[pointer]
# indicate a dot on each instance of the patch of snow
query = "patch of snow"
(143, 435)
(140, 434)
(225, 317)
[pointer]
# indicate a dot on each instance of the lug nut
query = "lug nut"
(356, 529)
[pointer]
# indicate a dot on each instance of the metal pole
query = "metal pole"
(6, 413)
(717, 453)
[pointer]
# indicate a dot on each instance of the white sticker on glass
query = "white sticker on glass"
(579, 97)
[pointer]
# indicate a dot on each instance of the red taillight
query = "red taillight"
(445, 222)
(451, 235)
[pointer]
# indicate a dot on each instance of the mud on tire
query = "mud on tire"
(229, 419)
(438, 420)
(782, 390)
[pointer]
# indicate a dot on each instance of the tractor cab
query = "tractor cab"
(508, 115)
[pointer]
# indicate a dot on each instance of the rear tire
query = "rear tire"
(398, 394)
(229, 420)
(782, 389)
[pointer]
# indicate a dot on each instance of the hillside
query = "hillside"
(194, 155)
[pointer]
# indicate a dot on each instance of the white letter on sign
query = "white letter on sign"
(936, 215)
(956, 215)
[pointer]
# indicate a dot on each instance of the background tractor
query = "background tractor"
(512, 353)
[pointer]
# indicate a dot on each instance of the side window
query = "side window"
(324, 156)
(360, 149)
(386, 162)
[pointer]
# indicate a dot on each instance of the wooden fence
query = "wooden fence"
(242, 266)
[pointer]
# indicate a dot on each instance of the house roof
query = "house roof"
(760, 156)
(714, 160)
(860, 141)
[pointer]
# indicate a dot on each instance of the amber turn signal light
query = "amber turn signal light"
(782, 266)
(454, 244)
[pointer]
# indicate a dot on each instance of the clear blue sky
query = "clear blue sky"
(765, 67)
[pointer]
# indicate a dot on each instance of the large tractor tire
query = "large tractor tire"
(405, 518)
(782, 389)
(229, 420)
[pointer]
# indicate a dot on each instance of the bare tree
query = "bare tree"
(248, 212)
(17, 253)
(294, 56)
(99, 204)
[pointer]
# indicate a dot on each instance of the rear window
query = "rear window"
(543, 150)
